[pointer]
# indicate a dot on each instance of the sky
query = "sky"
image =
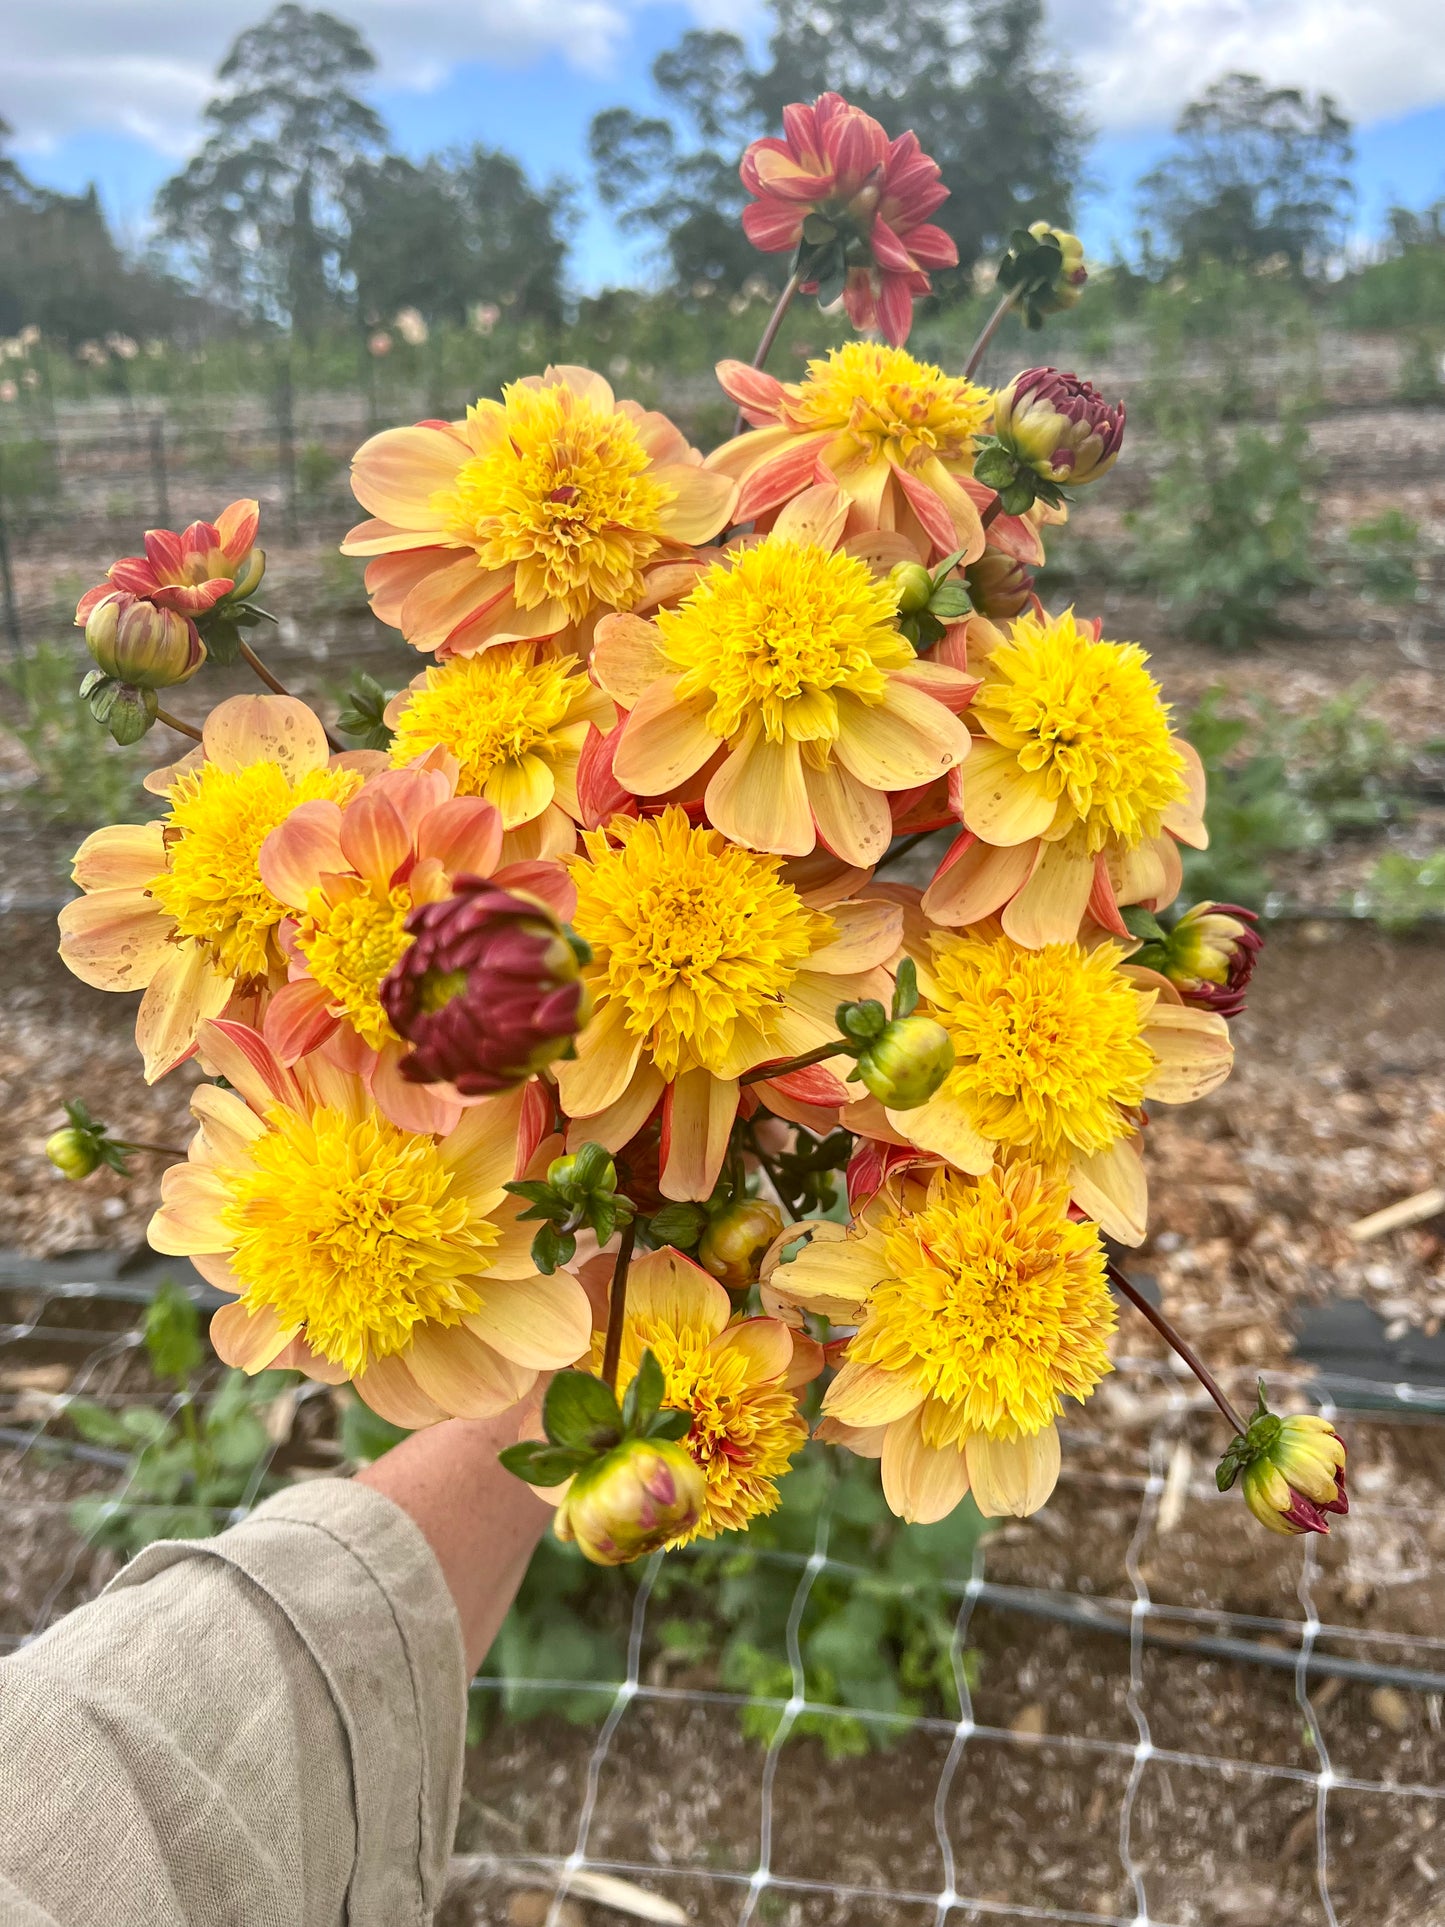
(112, 92)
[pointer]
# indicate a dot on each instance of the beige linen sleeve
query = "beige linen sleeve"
(260, 1730)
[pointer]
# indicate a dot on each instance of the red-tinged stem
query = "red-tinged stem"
(1177, 1342)
(988, 331)
(770, 333)
(992, 512)
(617, 1305)
(274, 683)
(766, 1072)
(175, 723)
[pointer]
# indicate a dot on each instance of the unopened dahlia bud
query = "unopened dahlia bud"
(1058, 426)
(1291, 1470)
(735, 1241)
(641, 1495)
(1044, 268)
(139, 643)
(488, 992)
(1072, 274)
(905, 1064)
(913, 585)
(999, 586)
(1209, 956)
(74, 1153)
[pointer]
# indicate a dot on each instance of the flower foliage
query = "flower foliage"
(528, 1031)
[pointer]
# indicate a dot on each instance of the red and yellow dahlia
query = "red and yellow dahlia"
(191, 571)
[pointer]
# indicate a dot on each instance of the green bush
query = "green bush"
(1404, 891)
(82, 779)
(1385, 549)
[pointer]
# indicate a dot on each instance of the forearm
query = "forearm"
(481, 1522)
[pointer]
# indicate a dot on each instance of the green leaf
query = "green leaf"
(543, 1464)
(363, 713)
(644, 1396)
(551, 1248)
(670, 1425)
(1143, 924)
(173, 1333)
(905, 989)
(950, 602)
(96, 1425)
(678, 1225)
(580, 1410)
(537, 1191)
(365, 1434)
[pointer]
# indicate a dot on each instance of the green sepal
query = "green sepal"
(580, 1411)
(861, 1023)
(543, 1464)
(949, 601)
(551, 1248)
(363, 713)
(678, 1225)
(994, 466)
(670, 1424)
(905, 989)
(1143, 924)
(644, 1397)
(222, 637)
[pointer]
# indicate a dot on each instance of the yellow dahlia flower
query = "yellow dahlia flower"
(1077, 791)
(740, 1378)
(896, 435)
(1055, 1051)
(980, 1308)
(178, 908)
(349, 875)
(515, 718)
(356, 1249)
(786, 656)
(707, 962)
(527, 517)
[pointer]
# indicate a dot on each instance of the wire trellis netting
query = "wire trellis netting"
(1204, 1727)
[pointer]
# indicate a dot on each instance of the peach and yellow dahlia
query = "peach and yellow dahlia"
(178, 908)
(707, 962)
(896, 435)
(515, 718)
(980, 1307)
(349, 875)
(1077, 791)
(529, 516)
(739, 1377)
(356, 1249)
(1055, 1051)
(787, 657)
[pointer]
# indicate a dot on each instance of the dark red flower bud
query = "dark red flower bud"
(488, 992)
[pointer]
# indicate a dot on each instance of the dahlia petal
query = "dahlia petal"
(853, 820)
(607, 1055)
(1186, 816)
(274, 729)
(1051, 905)
(380, 539)
(300, 851)
(237, 526)
(1003, 804)
(550, 835)
(621, 1120)
(702, 502)
(1013, 1477)
(189, 1219)
(758, 394)
(1193, 1049)
(864, 1441)
(298, 1019)
(931, 247)
(464, 835)
(299, 1357)
(894, 304)
(664, 1288)
(184, 993)
(663, 440)
(585, 382)
(375, 839)
(119, 857)
(945, 1127)
(389, 1388)
(1140, 875)
(115, 939)
(502, 621)
(544, 879)
(446, 597)
(395, 474)
(481, 1153)
(904, 739)
(390, 579)
(698, 1110)
(869, 1395)
(779, 1098)
(626, 658)
(248, 1064)
(664, 741)
(933, 489)
(952, 687)
(1104, 905)
(228, 1127)
(1112, 1187)
(814, 518)
(538, 1322)
(427, 1108)
(456, 1369)
(888, 250)
(831, 1277)
(979, 880)
(922, 1483)
(868, 933)
(764, 1344)
(758, 796)
(778, 480)
(215, 1268)
(249, 1340)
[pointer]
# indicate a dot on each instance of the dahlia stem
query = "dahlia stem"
(992, 512)
(774, 1176)
(617, 1306)
(901, 848)
(988, 331)
(274, 683)
(791, 1064)
(175, 723)
(161, 1150)
(1177, 1342)
(770, 333)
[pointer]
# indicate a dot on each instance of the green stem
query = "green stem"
(617, 1306)
(1177, 1342)
(161, 1150)
(988, 331)
(774, 1176)
(175, 723)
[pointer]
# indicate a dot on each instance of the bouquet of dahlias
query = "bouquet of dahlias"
(575, 1034)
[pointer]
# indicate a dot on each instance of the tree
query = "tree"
(258, 209)
(452, 231)
(1260, 173)
(993, 110)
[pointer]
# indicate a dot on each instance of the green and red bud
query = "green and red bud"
(999, 586)
(736, 1239)
(641, 1496)
(1058, 426)
(1210, 954)
(139, 643)
(1291, 1470)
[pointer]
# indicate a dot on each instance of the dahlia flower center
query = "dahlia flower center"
(350, 944)
(776, 632)
(1087, 717)
(891, 406)
(564, 497)
(694, 936)
(996, 1304)
(1049, 1051)
(489, 710)
(211, 885)
(356, 1231)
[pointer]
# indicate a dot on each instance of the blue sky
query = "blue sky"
(124, 111)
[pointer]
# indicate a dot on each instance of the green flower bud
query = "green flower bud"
(139, 643)
(74, 1153)
(642, 1495)
(736, 1239)
(1291, 1470)
(913, 586)
(904, 1066)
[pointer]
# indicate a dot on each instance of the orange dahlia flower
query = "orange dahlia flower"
(787, 656)
(356, 1249)
(348, 875)
(527, 517)
(191, 571)
(178, 908)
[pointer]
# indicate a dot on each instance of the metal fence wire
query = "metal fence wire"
(1361, 1685)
